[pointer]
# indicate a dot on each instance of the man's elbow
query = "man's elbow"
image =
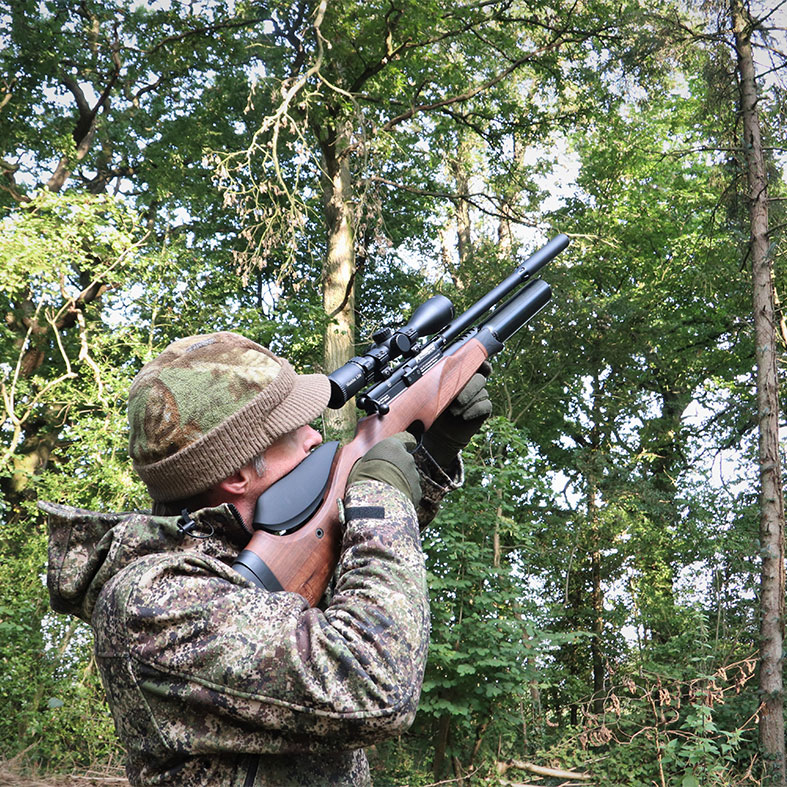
(397, 718)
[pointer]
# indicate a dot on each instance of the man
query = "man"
(212, 681)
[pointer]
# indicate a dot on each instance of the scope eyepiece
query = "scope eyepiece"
(346, 381)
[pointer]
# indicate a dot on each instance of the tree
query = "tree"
(379, 139)
(355, 98)
(112, 242)
(93, 104)
(647, 322)
(769, 455)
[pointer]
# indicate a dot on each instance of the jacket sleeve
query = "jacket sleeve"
(214, 664)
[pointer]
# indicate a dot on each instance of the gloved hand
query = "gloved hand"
(390, 461)
(454, 428)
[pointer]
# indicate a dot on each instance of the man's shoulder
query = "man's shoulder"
(173, 569)
(154, 563)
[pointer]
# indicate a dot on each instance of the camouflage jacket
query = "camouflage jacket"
(212, 681)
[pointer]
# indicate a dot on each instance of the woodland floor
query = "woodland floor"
(12, 776)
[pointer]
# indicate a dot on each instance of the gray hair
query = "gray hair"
(195, 502)
(258, 463)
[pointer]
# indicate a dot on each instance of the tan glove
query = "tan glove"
(390, 461)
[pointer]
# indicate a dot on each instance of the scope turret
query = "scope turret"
(347, 380)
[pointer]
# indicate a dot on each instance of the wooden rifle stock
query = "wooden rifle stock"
(304, 561)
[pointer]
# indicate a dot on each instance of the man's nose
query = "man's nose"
(313, 438)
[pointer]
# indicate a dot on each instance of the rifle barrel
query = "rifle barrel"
(522, 273)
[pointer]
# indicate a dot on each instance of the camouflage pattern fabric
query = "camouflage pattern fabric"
(203, 670)
(196, 384)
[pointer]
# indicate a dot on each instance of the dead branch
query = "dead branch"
(540, 770)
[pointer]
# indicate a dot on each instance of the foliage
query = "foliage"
(53, 704)
(594, 582)
(484, 651)
(670, 730)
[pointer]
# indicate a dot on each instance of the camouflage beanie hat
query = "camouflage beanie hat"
(208, 405)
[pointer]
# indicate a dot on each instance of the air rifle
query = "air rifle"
(411, 375)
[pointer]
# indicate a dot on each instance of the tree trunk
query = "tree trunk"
(596, 590)
(596, 643)
(496, 553)
(459, 169)
(662, 440)
(771, 501)
(441, 745)
(339, 272)
(508, 198)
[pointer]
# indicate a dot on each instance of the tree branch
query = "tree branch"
(470, 198)
(85, 127)
(201, 31)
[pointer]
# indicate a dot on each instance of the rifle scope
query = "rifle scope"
(436, 314)
(496, 329)
(347, 380)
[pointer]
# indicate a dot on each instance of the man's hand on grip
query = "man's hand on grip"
(455, 427)
(390, 461)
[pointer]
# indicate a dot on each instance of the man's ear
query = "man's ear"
(237, 484)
